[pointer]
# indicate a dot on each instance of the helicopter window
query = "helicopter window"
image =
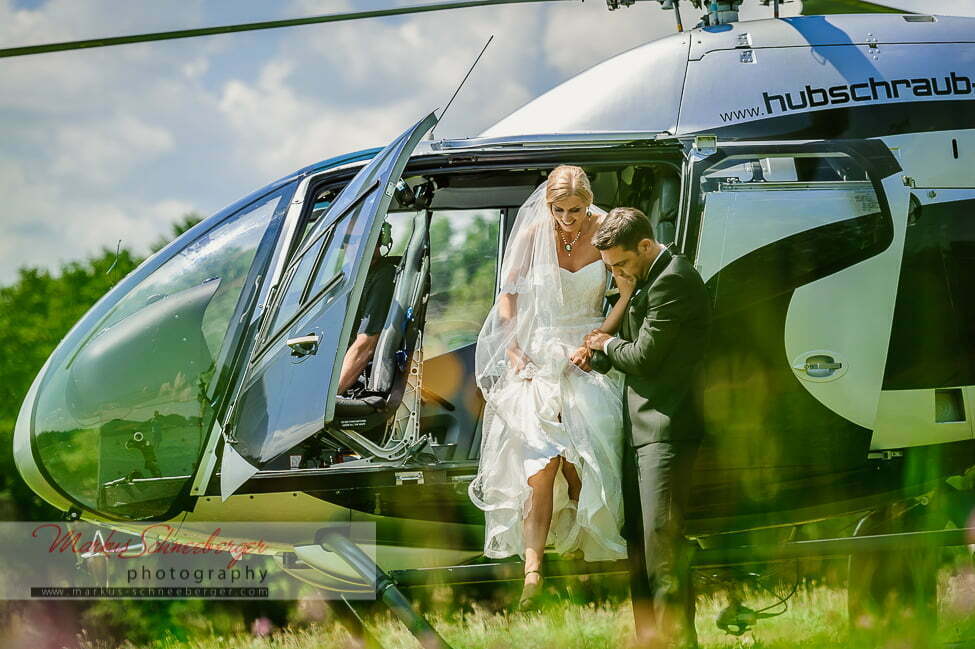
(297, 278)
(831, 167)
(323, 201)
(334, 260)
(196, 265)
(339, 245)
(463, 266)
(771, 223)
(122, 418)
(319, 209)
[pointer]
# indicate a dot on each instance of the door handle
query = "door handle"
(818, 366)
(303, 345)
(821, 366)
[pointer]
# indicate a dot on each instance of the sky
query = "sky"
(120, 142)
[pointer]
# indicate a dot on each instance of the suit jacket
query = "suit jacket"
(661, 344)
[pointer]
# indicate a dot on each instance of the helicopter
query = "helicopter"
(816, 170)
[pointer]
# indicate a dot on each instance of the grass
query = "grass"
(816, 619)
(820, 7)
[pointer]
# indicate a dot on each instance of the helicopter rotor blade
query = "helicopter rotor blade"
(248, 27)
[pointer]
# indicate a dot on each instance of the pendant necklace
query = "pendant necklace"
(567, 245)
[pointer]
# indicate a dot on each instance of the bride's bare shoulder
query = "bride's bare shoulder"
(600, 215)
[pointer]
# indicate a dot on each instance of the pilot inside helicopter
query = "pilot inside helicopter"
(377, 294)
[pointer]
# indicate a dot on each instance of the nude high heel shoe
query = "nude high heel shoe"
(531, 593)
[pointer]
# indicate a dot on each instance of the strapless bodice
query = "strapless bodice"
(582, 292)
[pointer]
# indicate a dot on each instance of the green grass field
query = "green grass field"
(816, 619)
(817, 7)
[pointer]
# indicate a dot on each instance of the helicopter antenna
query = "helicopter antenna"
(247, 27)
(118, 249)
(775, 8)
(444, 112)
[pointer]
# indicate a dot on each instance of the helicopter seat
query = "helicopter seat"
(359, 407)
(387, 378)
(664, 201)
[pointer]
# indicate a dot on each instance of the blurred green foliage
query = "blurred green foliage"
(36, 312)
(462, 277)
(822, 7)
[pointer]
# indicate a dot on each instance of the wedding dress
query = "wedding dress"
(551, 407)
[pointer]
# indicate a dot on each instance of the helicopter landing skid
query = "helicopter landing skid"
(347, 615)
(386, 590)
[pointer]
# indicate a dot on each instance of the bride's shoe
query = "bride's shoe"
(531, 593)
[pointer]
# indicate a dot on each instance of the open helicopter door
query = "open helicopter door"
(801, 251)
(288, 393)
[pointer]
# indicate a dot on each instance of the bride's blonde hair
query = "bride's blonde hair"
(565, 181)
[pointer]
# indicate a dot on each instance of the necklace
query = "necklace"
(567, 245)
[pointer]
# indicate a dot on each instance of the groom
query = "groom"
(661, 343)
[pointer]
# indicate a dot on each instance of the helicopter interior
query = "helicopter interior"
(449, 230)
(765, 223)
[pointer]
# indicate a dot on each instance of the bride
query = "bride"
(550, 457)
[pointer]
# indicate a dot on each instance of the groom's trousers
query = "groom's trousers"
(656, 484)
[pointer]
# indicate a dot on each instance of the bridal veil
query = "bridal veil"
(550, 404)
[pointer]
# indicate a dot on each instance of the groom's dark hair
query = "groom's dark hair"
(624, 227)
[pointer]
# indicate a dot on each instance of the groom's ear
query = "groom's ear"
(645, 247)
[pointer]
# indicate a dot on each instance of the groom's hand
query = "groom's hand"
(596, 339)
(581, 357)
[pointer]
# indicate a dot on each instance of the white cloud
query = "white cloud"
(117, 143)
(575, 45)
(71, 229)
(196, 68)
(346, 86)
(108, 151)
(77, 127)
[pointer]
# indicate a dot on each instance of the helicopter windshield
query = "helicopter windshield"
(121, 417)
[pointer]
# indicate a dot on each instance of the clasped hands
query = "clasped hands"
(594, 340)
(581, 357)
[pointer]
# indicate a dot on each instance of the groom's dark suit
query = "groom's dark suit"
(661, 343)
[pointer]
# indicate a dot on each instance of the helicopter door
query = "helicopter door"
(288, 393)
(798, 248)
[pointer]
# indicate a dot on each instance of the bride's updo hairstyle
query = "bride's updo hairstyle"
(566, 181)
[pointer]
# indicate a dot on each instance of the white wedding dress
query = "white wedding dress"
(559, 410)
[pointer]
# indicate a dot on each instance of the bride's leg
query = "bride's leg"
(572, 479)
(571, 476)
(539, 518)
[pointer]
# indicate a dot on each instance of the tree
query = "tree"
(36, 312)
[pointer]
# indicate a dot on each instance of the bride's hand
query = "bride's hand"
(516, 358)
(581, 357)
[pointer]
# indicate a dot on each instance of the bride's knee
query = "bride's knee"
(546, 474)
(572, 479)
(553, 464)
(569, 471)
